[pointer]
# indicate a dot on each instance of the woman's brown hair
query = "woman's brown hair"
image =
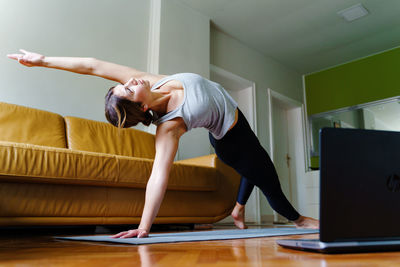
(123, 113)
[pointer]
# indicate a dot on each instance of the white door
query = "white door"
(281, 154)
(288, 148)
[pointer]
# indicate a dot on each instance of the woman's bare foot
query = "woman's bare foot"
(238, 216)
(306, 222)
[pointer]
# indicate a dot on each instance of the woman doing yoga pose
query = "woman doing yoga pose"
(176, 104)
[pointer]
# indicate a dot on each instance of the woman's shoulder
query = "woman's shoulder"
(185, 75)
(190, 75)
(189, 78)
(176, 76)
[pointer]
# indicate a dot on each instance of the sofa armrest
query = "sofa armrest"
(205, 161)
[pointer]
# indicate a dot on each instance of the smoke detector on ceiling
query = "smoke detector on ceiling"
(353, 12)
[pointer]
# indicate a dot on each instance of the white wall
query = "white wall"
(233, 56)
(184, 40)
(115, 31)
(185, 47)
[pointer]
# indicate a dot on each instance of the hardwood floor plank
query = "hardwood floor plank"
(30, 249)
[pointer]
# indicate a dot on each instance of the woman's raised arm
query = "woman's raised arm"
(85, 65)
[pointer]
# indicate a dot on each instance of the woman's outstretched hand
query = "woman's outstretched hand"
(28, 59)
(139, 233)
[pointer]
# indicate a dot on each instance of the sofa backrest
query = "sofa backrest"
(32, 126)
(95, 136)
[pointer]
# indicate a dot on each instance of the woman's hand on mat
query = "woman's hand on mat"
(28, 59)
(306, 222)
(139, 233)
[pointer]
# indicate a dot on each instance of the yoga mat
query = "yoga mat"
(195, 236)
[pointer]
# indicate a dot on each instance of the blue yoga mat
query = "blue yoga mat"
(195, 236)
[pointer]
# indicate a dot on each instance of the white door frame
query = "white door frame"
(291, 102)
(245, 83)
(294, 104)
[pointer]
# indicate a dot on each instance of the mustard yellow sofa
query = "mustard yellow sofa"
(58, 170)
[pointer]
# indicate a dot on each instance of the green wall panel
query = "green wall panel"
(365, 80)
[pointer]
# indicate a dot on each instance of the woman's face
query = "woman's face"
(135, 90)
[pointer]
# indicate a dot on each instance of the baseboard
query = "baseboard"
(269, 218)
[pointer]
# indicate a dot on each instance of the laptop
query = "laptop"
(359, 192)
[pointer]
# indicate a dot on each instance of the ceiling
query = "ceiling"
(306, 35)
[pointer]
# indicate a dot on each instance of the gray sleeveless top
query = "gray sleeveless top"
(205, 104)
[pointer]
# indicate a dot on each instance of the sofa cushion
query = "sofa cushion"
(39, 164)
(32, 126)
(95, 136)
(207, 160)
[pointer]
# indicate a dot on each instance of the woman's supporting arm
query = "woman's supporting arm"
(85, 65)
(167, 140)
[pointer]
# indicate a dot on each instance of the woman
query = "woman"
(176, 104)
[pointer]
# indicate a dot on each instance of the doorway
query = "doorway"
(287, 146)
(243, 92)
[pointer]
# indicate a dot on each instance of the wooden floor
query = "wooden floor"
(37, 248)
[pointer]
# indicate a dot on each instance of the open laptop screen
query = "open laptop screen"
(360, 185)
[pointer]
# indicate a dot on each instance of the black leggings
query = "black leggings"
(241, 150)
